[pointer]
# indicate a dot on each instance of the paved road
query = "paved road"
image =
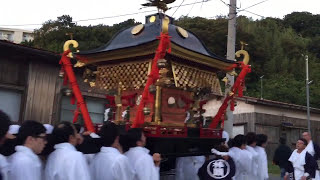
(274, 177)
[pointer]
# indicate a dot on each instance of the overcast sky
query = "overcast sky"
(20, 12)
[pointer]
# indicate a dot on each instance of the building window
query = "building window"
(10, 37)
(25, 37)
(10, 102)
(96, 108)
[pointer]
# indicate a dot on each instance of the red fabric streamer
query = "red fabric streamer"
(67, 67)
(76, 115)
(236, 88)
(163, 46)
(73, 99)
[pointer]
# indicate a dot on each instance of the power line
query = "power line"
(253, 13)
(253, 5)
(191, 9)
(108, 17)
(177, 8)
(228, 4)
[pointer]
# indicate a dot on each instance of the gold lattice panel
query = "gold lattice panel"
(187, 76)
(131, 75)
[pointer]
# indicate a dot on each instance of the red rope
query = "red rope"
(237, 88)
(147, 97)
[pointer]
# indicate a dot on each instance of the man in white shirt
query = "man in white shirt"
(313, 149)
(24, 164)
(66, 163)
(109, 163)
(146, 167)
(251, 144)
(262, 157)
(241, 157)
(302, 165)
(4, 127)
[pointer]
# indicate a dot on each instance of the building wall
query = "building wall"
(13, 83)
(300, 114)
(43, 86)
(15, 35)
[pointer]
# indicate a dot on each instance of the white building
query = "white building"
(15, 35)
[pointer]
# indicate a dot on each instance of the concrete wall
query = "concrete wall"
(17, 35)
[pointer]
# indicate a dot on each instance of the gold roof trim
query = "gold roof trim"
(150, 48)
(198, 58)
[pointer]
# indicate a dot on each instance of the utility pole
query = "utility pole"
(307, 88)
(228, 125)
(261, 87)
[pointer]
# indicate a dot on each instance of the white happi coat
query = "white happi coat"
(142, 163)
(187, 167)
(4, 167)
(252, 175)
(242, 160)
(66, 163)
(24, 164)
(310, 150)
(298, 161)
(110, 164)
(262, 163)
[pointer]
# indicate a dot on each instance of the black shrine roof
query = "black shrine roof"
(125, 39)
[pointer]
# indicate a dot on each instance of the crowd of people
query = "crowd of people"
(35, 151)
(43, 152)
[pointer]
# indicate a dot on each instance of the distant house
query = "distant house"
(15, 35)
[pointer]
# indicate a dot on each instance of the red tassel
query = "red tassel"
(73, 99)
(65, 80)
(76, 115)
(240, 91)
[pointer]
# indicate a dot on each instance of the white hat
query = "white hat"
(49, 128)
(13, 129)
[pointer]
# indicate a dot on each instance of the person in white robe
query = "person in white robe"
(262, 157)
(14, 129)
(187, 167)
(109, 163)
(146, 167)
(24, 164)
(302, 164)
(49, 128)
(65, 162)
(251, 144)
(241, 157)
(313, 149)
(4, 124)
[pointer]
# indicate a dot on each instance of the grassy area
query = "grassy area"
(273, 169)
